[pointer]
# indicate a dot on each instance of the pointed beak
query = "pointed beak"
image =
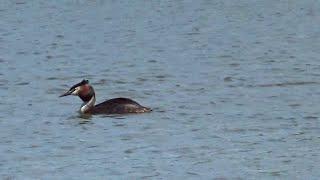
(66, 94)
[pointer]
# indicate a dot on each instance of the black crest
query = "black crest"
(83, 82)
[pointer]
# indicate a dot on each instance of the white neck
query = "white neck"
(86, 106)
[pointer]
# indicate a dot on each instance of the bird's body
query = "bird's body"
(118, 106)
(111, 106)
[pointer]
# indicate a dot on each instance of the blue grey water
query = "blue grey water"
(234, 86)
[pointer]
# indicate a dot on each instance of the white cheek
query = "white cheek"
(76, 92)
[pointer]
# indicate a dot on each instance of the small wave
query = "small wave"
(298, 83)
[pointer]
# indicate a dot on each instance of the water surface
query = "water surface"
(234, 87)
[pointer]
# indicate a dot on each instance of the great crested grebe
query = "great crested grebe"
(112, 106)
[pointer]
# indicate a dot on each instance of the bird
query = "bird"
(112, 106)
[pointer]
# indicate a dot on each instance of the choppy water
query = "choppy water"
(234, 86)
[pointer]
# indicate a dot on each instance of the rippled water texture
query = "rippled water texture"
(234, 86)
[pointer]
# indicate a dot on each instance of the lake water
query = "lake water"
(234, 86)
